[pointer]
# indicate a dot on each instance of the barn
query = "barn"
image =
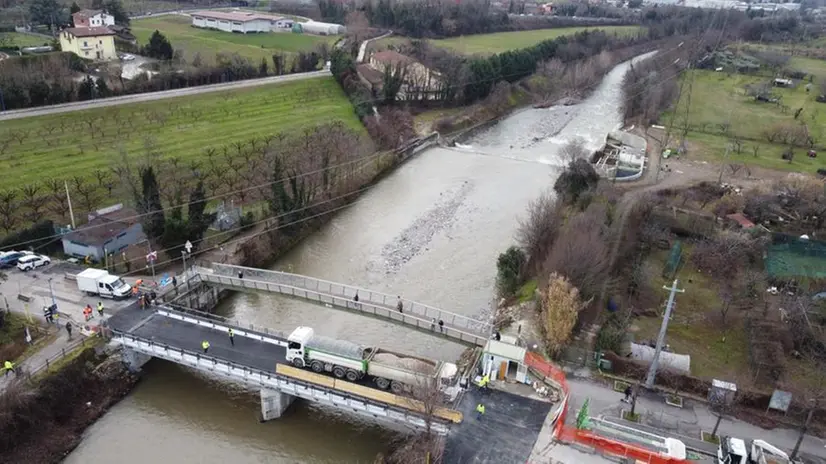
(236, 21)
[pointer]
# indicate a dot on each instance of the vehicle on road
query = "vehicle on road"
(401, 373)
(126, 57)
(734, 451)
(101, 283)
(29, 262)
(10, 258)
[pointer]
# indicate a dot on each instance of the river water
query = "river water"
(430, 232)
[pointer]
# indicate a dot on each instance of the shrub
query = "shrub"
(509, 269)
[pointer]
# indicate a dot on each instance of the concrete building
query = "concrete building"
(111, 229)
(505, 361)
(241, 21)
(420, 83)
(92, 18)
(94, 43)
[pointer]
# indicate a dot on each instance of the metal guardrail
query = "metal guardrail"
(82, 341)
(424, 317)
(249, 374)
(222, 323)
(333, 301)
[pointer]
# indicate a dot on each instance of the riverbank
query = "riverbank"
(44, 422)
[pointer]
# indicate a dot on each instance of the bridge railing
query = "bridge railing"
(450, 328)
(348, 293)
(222, 323)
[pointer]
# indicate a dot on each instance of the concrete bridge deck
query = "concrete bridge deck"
(419, 316)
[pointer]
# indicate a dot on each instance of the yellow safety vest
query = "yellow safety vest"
(485, 380)
(480, 408)
(100, 306)
(205, 344)
(9, 365)
(231, 333)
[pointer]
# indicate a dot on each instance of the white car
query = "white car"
(27, 263)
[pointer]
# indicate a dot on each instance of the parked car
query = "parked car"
(27, 263)
(126, 57)
(9, 259)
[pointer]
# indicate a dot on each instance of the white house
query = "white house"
(239, 21)
(93, 18)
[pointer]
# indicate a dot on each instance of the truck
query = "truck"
(400, 373)
(101, 283)
(734, 451)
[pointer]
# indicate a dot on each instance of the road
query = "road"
(152, 96)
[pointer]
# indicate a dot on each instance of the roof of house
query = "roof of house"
(105, 227)
(89, 31)
(393, 58)
(88, 13)
(372, 75)
(240, 16)
(505, 350)
(741, 219)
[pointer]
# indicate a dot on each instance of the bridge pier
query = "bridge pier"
(274, 403)
(134, 359)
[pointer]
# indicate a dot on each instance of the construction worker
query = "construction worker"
(205, 346)
(480, 411)
(9, 367)
(231, 336)
(484, 383)
(100, 309)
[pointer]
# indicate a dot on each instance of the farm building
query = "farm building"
(92, 18)
(240, 21)
(94, 43)
(317, 28)
(109, 230)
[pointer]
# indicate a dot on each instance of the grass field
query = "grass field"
(69, 144)
(486, 44)
(715, 96)
(22, 40)
(192, 40)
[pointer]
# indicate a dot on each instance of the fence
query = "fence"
(69, 350)
(791, 256)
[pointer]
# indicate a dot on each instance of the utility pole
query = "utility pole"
(652, 371)
(69, 200)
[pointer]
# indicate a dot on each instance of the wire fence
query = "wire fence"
(69, 350)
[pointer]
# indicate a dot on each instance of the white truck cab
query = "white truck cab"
(296, 343)
(732, 451)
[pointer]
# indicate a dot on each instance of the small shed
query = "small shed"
(740, 220)
(505, 361)
(783, 82)
(109, 230)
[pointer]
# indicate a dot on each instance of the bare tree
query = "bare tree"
(537, 231)
(34, 201)
(561, 306)
(9, 211)
(87, 192)
(574, 150)
(58, 202)
(427, 398)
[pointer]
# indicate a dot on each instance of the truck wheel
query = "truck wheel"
(298, 362)
(317, 367)
(339, 372)
(352, 375)
(397, 387)
(382, 383)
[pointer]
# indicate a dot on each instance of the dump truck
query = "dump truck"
(400, 373)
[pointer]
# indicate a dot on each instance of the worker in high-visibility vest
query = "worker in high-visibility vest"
(100, 308)
(480, 411)
(231, 336)
(205, 345)
(485, 381)
(9, 367)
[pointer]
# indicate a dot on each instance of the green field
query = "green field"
(77, 143)
(16, 39)
(715, 96)
(183, 36)
(499, 42)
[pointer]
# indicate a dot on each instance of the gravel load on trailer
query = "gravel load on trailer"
(410, 364)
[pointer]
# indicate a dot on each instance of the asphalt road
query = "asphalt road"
(151, 96)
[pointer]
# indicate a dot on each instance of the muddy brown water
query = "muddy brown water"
(430, 232)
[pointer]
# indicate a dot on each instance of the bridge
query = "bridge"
(414, 315)
(257, 358)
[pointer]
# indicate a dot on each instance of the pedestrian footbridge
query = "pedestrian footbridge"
(257, 358)
(421, 317)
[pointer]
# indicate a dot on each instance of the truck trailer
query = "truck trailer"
(389, 370)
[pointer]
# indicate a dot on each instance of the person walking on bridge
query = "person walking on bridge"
(205, 346)
(100, 309)
(231, 336)
(9, 367)
(400, 305)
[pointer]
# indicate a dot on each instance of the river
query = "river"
(430, 231)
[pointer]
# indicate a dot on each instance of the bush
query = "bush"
(577, 178)
(509, 270)
(247, 221)
(37, 237)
